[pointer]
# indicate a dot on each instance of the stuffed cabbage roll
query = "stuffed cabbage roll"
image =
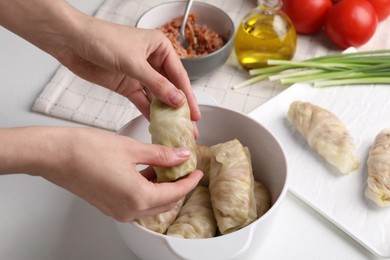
(325, 133)
(203, 157)
(172, 127)
(196, 218)
(263, 199)
(232, 186)
(160, 222)
(378, 164)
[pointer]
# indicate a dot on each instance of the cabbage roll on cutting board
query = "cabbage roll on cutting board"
(196, 218)
(378, 164)
(172, 127)
(232, 186)
(159, 223)
(326, 134)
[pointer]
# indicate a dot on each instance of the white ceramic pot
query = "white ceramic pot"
(270, 167)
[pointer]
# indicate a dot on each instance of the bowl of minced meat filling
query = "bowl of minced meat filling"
(209, 32)
(201, 39)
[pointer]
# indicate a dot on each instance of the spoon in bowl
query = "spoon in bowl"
(182, 36)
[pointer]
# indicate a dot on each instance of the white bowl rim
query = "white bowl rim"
(227, 43)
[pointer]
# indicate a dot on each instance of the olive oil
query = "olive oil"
(265, 33)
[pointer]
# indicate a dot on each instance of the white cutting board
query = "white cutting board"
(365, 110)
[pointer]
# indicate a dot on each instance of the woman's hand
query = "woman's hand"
(136, 63)
(98, 166)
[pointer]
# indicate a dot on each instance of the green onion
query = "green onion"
(353, 81)
(367, 67)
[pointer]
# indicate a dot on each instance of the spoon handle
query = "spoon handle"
(187, 11)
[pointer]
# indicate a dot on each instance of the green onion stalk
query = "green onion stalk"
(366, 67)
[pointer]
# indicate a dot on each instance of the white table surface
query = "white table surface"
(40, 221)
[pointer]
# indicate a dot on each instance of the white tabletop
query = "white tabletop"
(40, 221)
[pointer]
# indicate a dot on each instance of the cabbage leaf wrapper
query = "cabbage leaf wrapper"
(378, 165)
(196, 218)
(232, 186)
(263, 199)
(173, 127)
(203, 156)
(326, 134)
(160, 222)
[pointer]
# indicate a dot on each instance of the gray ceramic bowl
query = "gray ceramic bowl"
(216, 19)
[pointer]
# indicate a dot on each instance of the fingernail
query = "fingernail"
(182, 152)
(176, 97)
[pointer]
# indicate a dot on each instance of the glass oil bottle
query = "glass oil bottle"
(265, 33)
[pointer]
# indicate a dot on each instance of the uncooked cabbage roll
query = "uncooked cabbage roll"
(160, 222)
(263, 199)
(378, 164)
(203, 157)
(172, 127)
(325, 133)
(196, 218)
(232, 186)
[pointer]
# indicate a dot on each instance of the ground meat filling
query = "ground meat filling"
(201, 39)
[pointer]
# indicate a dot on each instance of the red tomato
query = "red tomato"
(351, 23)
(382, 8)
(308, 16)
